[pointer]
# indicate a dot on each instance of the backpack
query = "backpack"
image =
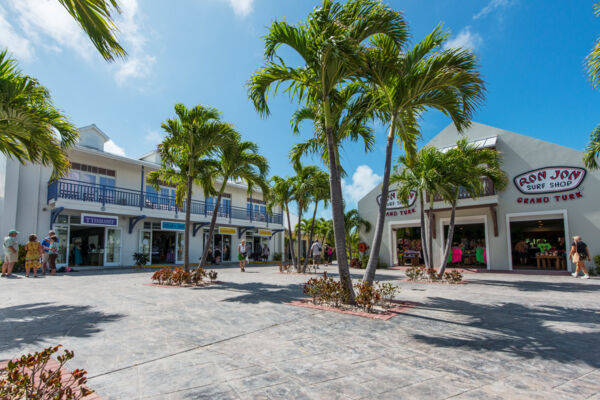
(581, 247)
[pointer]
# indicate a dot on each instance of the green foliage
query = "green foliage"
(277, 257)
(387, 292)
(419, 273)
(30, 377)
(325, 290)
(415, 273)
(367, 296)
(140, 259)
(20, 263)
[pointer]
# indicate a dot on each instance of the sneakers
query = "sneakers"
(586, 276)
(574, 274)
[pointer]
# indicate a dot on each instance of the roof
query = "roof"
(98, 130)
(485, 143)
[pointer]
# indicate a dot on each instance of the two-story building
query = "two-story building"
(104, 211)
(550, 198)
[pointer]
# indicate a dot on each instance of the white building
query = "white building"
(550, 198)
(104, 211)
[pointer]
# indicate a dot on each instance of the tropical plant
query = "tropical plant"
(330, 45)
(193, 138)
(281, 193)
(592, 151)
(320, 193)
(353, 223)
(140, 259)
(404, 84)
(303, 186)
(236, 160)
(466, 169)
(31, 128)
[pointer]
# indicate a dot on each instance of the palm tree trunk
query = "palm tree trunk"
(213, 223)
(312, 228)
(337, 206)
(430, 233)
(369, 275)
(299, 237)
(424, 245)
(186, 236)
(449, 239)
(287, 212)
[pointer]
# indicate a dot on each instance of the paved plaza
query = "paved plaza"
(500, 336)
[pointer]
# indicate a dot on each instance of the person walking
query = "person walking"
(242, 254)
(579, 254)
(521, 250)
(11, 252)
(266, 252)
(315, 251)
(33, 254)
(53, 254)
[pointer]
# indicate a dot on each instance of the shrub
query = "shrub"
(212, 275)
(387, 291)
(356, 263)
(312, 288)
(367, 296)
(163, 276)
(325, 290)
(415, 273)
(277, 257)
(20, 264)
(198, 275)
(180, 276)
(140, 259)
(29, 377)
(453, 277)
(432, 274)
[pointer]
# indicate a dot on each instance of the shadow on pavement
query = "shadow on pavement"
(258, 292)
(35, 322)
(548, 332)
(543, 286)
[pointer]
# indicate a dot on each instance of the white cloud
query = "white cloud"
(363, 181)
(112, 147)
(153, 137)
(241, 8)
(465, 39)
(492, 6)
(18, 45)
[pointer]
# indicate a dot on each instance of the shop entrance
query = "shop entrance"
(164, 247)
(221, 246)
(538, 244)
(408, 246)
(468, 245)
(86, 245)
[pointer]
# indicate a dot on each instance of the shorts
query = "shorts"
(317, 258)
(10, 257)
(45, 257)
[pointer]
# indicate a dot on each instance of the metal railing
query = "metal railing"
(95, 193)
(488, 190)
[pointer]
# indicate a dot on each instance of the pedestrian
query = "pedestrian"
(45, 248)
(33, 254)
(217, 254)
(11, 252)
(521, 250)
(266, 252)
(579, 254)
(315, 251)
(242, 254)
(53, 254)
(329, 255)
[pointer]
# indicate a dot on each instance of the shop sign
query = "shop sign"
(172, 226)
(548, 199)
(264, 232)
(227, 230)
(394, 202)
(102, 220)
(549, 180)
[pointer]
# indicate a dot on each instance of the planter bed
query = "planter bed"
(435, 282)
(379, 313)
(187, 285)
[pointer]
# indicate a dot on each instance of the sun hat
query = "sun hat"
(13, 231)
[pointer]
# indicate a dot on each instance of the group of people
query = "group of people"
(37, 255)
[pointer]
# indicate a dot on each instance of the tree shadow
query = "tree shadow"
(32, 323)
(542, 286)
(548, 332)
(258, 292)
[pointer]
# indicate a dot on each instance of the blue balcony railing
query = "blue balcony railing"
(94, 193)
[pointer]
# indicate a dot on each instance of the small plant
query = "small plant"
(277, 257)
(387, 291)
(453, 277)
(415, 273)
(356, 263)
(312, 288)
(367, 296)
(140, 259)
(29, 377)
(212, 275)
(432, 274)
(180, 276)
(163, 276)
(198, 275)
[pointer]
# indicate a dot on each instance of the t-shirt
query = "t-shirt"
(580, 248)
(54, 248)
(10, 241)
(316, 249)
(544, 246)
(46, 244)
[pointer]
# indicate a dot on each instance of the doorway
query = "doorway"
(408, 245)
(86, 245)
(163, 247)
(469, 245)
(538, 244)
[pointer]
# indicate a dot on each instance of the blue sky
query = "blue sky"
(203, 52)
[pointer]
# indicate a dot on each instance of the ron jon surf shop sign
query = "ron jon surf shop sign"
(549, 180)
(395, 207)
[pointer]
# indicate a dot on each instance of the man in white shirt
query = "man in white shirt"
(315, 251)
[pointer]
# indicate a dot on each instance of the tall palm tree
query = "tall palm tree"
(236, 160)
(280, 194)
(95, 17)
(403, 85)
(465, 168)
(354, 223)
(29, 122)
(330, 45)
(320, 193)
(303, 183)
(187, 152)
(592, 151)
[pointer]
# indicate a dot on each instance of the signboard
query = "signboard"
(264, 232)
(172, 226)
(394, 202)
(549, 180)
(227, 230)
(99, 220)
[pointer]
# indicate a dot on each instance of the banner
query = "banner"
(549, 180)
(99, 220)
(264, 232)
(395, 203)
(227, 230)
(172, 226)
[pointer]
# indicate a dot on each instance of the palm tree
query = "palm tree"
(330, 45)
(280, 194)
(96, 19)
(403, 85)
(592, 151)
(320, 193)
(236, 160)
(465, 167)
(29, 122)
(193, 138)
(303, 183)
(354, 223)
(593, 59)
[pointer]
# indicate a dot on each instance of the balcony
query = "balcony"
(488, 190)
(101, 194)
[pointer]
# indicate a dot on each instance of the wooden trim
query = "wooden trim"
(494, 219)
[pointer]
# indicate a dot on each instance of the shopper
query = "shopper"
(242, 254)
(46, 248)
(217, 254)
(266, 252)
(11, 252)
(53, 254)
(329, 255)
(315, 251)
(33, 254)
(521, 250)
(579, 254)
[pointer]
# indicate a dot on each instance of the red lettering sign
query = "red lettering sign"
(549, 180)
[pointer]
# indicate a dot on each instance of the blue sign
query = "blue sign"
(172, 226)
(103, 220)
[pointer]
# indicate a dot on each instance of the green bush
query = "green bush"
(277, 257)
(415, 273)
(140, 259)
(20, 264)
(387, 291)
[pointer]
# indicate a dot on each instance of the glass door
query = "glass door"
(62, 232)
(179, 248)
(145, 245)
(112, 247)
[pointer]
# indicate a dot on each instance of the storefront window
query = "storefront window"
(113, 245)
(468, 245)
